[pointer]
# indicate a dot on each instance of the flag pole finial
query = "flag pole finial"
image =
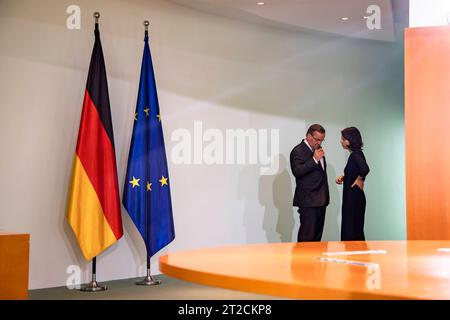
(96, 16)
(146, 24)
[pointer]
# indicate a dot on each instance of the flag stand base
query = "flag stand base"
(93, 286)
(148, 281)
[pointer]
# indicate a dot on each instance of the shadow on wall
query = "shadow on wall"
(275, 195)
(297, 72)
(268, 211)
(207, 58)
(247, 192)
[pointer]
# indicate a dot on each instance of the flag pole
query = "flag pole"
(94, 286)
(146, 24)
(96, 16)
(148, 280)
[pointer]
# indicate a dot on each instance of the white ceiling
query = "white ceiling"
(318, 15)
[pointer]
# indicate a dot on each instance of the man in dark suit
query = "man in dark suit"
(312, 196)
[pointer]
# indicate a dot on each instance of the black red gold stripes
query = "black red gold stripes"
(93, 209)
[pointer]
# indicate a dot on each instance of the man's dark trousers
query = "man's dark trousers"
(312, 220)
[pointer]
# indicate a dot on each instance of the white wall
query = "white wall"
(428, 13)
(226, 73)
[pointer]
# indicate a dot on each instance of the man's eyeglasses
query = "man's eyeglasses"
(317, 139)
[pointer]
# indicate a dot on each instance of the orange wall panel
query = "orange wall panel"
(427, 132)
(14, 265)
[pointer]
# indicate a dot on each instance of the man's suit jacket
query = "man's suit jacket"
(311, 179)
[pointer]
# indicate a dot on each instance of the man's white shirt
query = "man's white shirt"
(321, 159)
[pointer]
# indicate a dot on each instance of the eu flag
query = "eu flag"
(146, 194)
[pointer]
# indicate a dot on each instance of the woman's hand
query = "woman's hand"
(359, 182)
(340, 179)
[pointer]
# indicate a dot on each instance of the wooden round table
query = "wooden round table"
(321, 270)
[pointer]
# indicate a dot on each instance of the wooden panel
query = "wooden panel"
(406, 270)
(427, 125)
(14, 264)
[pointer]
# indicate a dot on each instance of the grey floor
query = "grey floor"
(169, 289)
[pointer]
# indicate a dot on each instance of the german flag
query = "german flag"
(93, 209)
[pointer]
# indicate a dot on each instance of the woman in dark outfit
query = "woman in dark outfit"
(353, 199)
